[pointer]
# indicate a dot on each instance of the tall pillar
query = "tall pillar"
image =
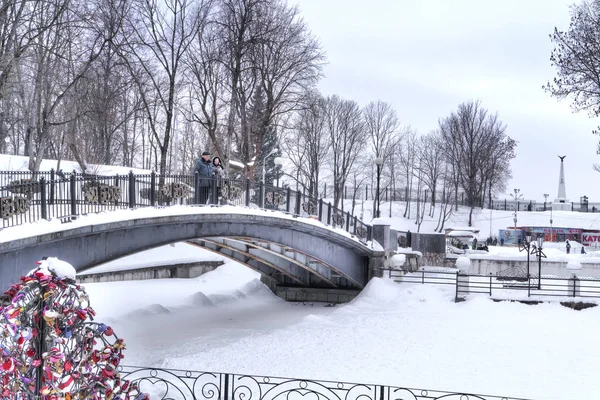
(561, 203)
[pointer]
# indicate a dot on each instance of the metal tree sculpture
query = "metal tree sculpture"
(51, 349)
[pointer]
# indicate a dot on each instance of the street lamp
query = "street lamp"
(537, 250)
(264, 169)
(278, 163)
(516, 196)
(527, 247)
(379, 163)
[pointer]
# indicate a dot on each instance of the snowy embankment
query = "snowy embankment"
(407, 335)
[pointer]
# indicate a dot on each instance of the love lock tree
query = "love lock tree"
(51, 348)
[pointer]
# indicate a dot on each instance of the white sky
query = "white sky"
(425, 57)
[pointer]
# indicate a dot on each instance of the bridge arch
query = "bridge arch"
(319, 257)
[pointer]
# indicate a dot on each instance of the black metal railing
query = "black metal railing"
(27, 197)
(496, 285)
(195, 385)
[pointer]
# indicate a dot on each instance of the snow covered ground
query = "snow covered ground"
(409, 335)
(176, 253)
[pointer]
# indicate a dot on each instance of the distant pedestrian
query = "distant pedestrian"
(501, 241)
(568, 246)
(582, 249)
(204, 169)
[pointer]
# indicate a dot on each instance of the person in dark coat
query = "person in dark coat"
(219, 174)
(568, 246)
(204, 169)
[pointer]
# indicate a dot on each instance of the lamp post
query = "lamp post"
(527, 247)
(539, 254)
(516, 196)
(379, 163)
(264, 169)
(278, 163)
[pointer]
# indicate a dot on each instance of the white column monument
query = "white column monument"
(561, 203)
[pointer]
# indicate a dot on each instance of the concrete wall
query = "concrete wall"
(189, 270)
(429, 242)
(335, 296)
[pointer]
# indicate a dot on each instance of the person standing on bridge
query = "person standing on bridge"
(204, 169)
(219, 174)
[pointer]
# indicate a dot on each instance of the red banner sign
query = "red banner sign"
(589, 238)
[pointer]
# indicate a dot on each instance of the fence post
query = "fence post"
(329, 213)
(131, 190)
(247, 192)
(456, 295)
(347, 222)
(320, 210)
(153, 188)
(215, 190)
(226, 388)
(52, 178)
(73, 194)
(490, 283)
(528, 285)
(366, 192)
(116, 185)
(298, 201)
(261, 196)
(355, 223)
(43, 197)
(423, 277)
(288, 198)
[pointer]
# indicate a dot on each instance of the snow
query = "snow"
(397, 260)
(463, 263)
(44, 226)
(59, 267)
(398, 334)
(21, 163)
(176, 253)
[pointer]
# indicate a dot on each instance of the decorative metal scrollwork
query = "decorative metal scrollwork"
(275, 198)
(11, 206)
(232, 192)
(310, 207)
(338, 219)
(175, 190)
(24, 186)
(192, 385)
(101, 193)
(167, 192)
(361, 232)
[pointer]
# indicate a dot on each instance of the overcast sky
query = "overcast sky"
(425, 57)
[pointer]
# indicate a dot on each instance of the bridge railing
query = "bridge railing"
(194, 385)
(27, 197)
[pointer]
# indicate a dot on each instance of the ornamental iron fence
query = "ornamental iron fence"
(532, 285)
(194, 385)
(27, 197)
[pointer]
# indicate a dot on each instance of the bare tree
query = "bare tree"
(161, 33)
(470, 135)
(431, 162)
(307, 143)
(348, 138)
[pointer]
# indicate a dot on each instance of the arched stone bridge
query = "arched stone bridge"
(288, 252)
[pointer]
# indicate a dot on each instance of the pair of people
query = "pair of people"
(209, 171)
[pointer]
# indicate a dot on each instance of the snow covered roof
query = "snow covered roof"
(461, 234)
(236, 164)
